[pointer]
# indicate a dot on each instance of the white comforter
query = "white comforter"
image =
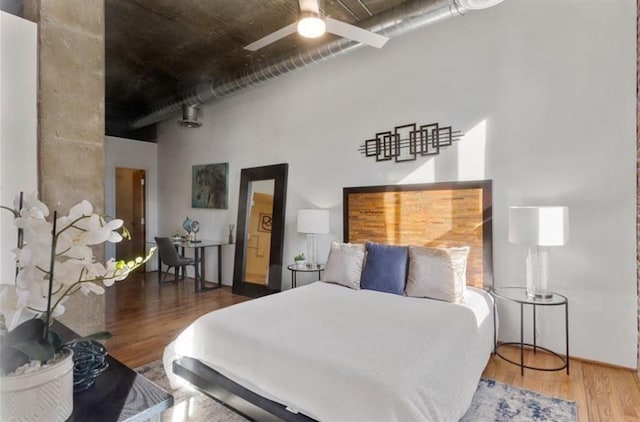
(337, 354)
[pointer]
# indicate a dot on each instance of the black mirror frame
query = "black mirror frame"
(278, 173)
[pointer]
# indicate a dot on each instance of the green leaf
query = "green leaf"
(39, 349)
(28, 331)
(55, 340)
(11, 359)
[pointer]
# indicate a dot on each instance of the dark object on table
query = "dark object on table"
(89, 361)
(119, 394)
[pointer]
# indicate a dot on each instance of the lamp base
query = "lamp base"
(537, 259)
(311, 249)
(539, 296)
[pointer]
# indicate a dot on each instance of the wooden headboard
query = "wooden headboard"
(436, 214)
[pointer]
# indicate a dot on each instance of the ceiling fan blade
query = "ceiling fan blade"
(309, 6)
(272, 37)
(354, 33)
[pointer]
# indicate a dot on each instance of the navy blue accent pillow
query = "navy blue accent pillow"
(385, 268)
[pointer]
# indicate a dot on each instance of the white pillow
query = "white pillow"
(344, 265)
(437, 273)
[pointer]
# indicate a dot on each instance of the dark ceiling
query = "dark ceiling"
(157, 48)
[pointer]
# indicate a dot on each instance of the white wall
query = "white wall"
(137, 155)
(543, 89)
(18, 125)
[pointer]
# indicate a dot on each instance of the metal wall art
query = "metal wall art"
(408, 142)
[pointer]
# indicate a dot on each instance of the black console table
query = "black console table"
(119, 394)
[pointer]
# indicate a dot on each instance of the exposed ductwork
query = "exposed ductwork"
(406, 17)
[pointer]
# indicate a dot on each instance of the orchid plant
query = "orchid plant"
(55, 260)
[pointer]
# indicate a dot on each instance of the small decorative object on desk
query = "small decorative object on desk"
(187, 225)
(34, 363)
(231, 226)
(195, 228)
(89, 361)
(300, 260)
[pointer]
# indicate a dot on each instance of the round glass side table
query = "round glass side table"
(519, 295)
(307, 268)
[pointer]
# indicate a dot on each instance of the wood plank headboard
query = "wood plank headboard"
(436, 214)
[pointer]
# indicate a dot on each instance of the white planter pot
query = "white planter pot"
(42, 396)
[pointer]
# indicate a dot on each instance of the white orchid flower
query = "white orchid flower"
(68, 272)
(12, 303)
(75, 267)
(36, 294)
(113, 225)
(95, 270)
(81, 252)
(116, 271)
(31, 202)
(34, 254)
(28, 276)
(90, 287)
(84, 208)
(78, 214)
(96, 232)
(33, 228)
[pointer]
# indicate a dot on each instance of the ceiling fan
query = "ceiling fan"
(312, 23)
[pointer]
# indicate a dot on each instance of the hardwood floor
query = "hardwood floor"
(144, 317)
(602, 393)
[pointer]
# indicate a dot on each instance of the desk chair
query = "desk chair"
(169, 256)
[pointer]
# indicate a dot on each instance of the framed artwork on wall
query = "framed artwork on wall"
(209, 187)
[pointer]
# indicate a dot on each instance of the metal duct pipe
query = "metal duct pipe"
(406, 17)
(189, 116)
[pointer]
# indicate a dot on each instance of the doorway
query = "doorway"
(131, 208)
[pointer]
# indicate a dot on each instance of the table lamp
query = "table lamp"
(538, 228)
(312, 222)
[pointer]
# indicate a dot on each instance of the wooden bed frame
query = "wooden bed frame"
(465, 218)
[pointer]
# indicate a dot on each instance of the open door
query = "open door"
(131, 208)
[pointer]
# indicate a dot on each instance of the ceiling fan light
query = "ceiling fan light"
(311, 27)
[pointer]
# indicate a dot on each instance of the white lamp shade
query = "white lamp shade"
(541, 226)
(313, 221)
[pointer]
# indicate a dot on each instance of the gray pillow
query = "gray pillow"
(344, 265)
(437, 273)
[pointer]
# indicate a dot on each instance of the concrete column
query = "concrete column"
(71, 120)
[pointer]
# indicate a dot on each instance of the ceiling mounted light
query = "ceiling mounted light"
(189, 116)
(311, 25)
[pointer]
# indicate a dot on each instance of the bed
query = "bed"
(327, 352)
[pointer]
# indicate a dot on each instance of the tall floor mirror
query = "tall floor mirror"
(257, 269)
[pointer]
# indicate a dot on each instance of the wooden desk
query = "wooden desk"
(119, 394)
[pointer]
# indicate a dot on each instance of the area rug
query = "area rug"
(493, 401)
